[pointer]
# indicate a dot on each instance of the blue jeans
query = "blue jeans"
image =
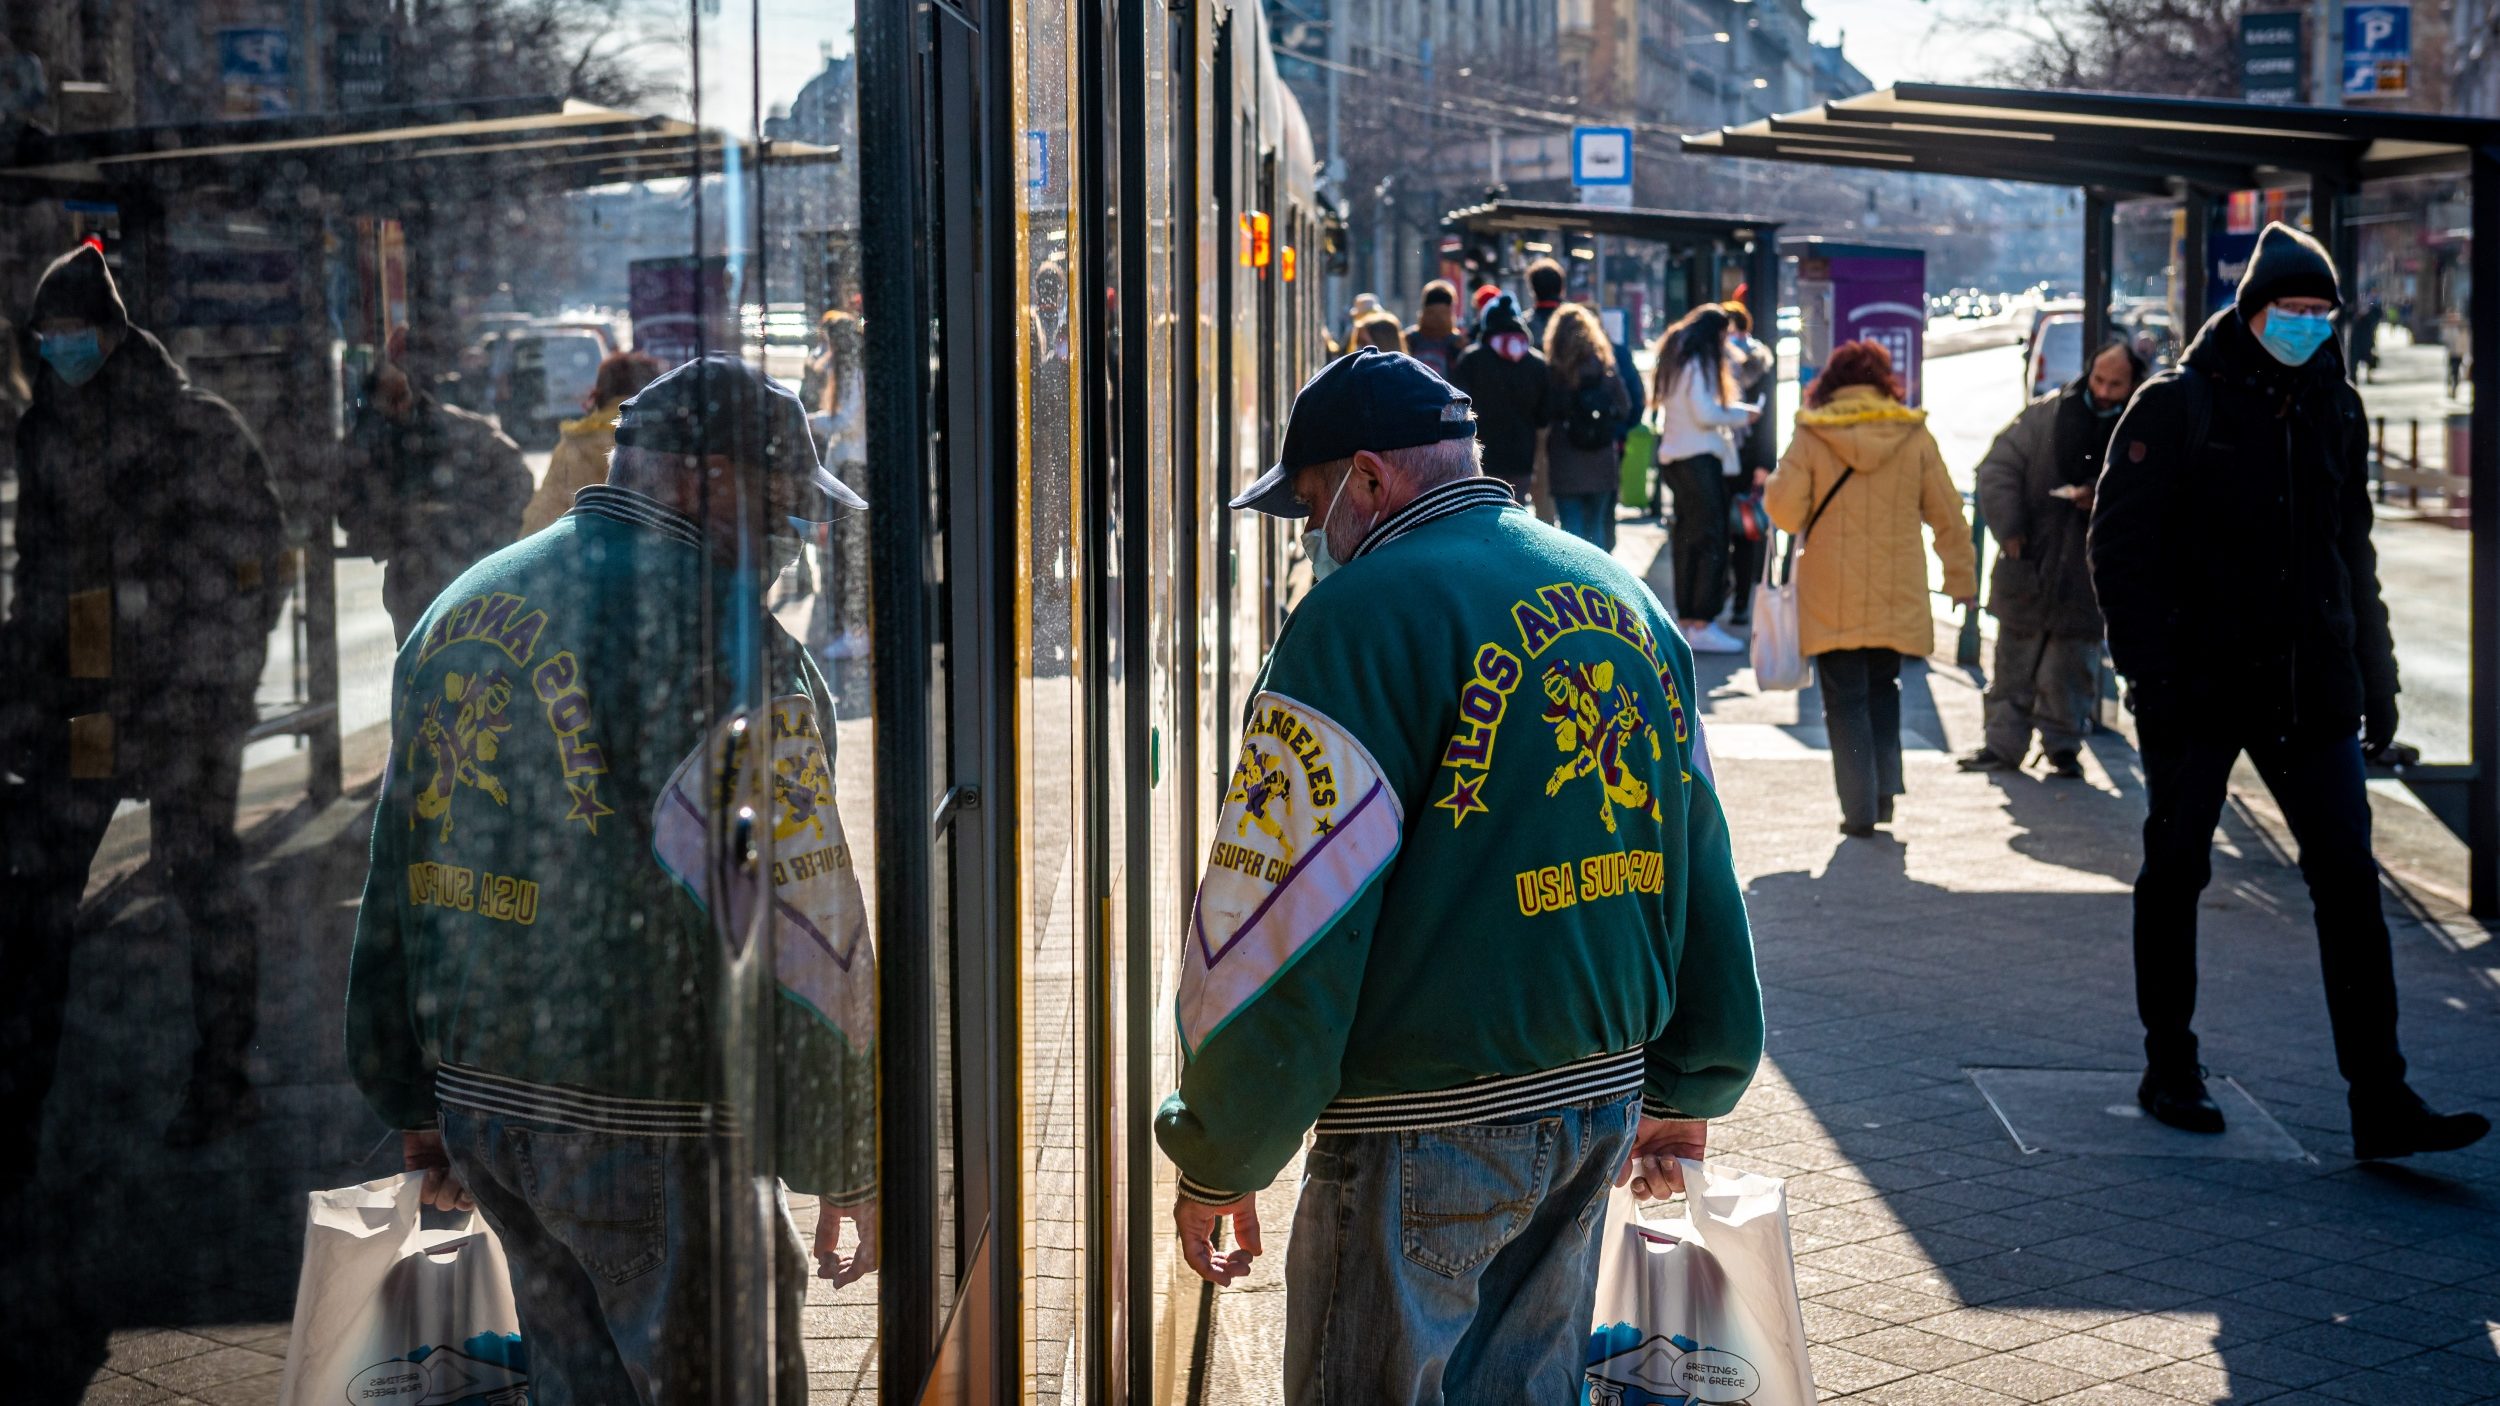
(611, 1244)
(1587, 516)
(1456, 1265)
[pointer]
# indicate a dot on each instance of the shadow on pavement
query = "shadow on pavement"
(120, 1231)
(1932, 1250)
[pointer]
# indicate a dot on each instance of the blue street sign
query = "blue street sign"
(2378, 49)
(1601, 156)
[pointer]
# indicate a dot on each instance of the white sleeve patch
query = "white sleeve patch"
(1307, 822)
(822, 956)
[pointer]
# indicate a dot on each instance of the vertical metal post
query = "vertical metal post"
(1762, 300)
(2482, 826)
(2195, 262)
(2097, 238)
(2330, 212)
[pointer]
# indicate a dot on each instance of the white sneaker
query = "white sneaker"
(1710, 639)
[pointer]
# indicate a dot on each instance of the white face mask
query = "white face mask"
(1315, 540)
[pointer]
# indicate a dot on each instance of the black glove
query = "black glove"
(2378, 724)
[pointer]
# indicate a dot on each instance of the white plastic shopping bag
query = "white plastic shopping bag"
(388, 1312)
(1778, 661)
(1702, 1307)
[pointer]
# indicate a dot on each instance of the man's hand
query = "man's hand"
(1196, 1221)
(1652, 1171)
(2081, 497)
(2378, 724)
(422, 1151)
(830, 1265)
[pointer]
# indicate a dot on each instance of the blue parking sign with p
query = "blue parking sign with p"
(2378, 49)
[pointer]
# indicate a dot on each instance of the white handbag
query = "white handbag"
(1701, 1307)
(387, 1310)
(1779, 661)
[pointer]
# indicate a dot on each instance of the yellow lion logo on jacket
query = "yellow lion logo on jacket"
(460, 751)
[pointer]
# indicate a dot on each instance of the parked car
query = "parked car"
(2054, 354)
(535, 377)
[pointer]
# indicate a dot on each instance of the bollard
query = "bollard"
(1966, 649)
(2378, 459)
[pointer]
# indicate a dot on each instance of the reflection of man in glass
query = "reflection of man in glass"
(538, 974)
(150, 569)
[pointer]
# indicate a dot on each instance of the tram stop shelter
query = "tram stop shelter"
(2191, 150)
(1702, 242)
(267, 317)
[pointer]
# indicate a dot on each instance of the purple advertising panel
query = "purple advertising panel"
(681, 307)
(1880, 295)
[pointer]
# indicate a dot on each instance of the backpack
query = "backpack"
(1590, 423)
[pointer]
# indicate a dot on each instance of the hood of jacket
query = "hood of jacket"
(598, 424)
(1864, 426)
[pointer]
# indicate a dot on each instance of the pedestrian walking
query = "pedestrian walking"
(2035, 493)
(1581, 445)
(540, 946)
(2456, 338)
(428, 490)
(1753, 362)
(1694, 407)
(1545, 294)
(1435, 339)
(2365, 328)
(1377, 329)
(2230, 547)
(1506, 378)
(151, 567)
(1489, 964)
(1860, 475)
(1480, 298)
(582, 446)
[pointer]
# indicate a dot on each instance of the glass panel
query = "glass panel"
(369, 797)
(1052, 781)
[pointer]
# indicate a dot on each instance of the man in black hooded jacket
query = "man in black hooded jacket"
(2230, 549)
(151, 567)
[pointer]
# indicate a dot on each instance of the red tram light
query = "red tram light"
(1284, 261)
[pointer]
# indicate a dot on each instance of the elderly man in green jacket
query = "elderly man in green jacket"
(1470, 911)
(540, 957)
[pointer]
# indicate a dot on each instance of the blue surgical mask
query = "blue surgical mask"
(75, 357)
(2294, 337)
(1315, 541)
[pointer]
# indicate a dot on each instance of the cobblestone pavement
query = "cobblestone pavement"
(1943, 1266)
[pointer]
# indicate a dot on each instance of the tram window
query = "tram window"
(496, 671)
(1052, 784)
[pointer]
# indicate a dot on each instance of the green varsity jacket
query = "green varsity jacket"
(539, 937)
(1470, 864)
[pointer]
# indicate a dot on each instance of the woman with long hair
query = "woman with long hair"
(1589, 405)
(1860, 475)
(1694, 409)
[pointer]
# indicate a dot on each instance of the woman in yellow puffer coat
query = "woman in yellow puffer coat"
(581, 455)
(1870, 464)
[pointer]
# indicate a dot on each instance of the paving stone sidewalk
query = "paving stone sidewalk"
(1943, 1266)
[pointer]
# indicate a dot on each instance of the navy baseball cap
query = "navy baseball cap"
(718, 404)
(1371, 400)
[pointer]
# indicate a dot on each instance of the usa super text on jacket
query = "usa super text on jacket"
(498, 896)
(1558, 886)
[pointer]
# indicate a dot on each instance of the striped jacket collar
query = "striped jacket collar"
(637, 510)
(1436, 503)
